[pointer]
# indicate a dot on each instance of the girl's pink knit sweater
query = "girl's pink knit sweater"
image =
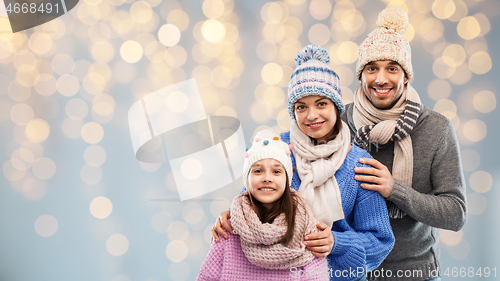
(226, 261)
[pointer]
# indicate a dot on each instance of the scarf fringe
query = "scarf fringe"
(394, 211)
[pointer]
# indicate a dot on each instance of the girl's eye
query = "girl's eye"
(300, 107)
(322, 103)
(393, 69)
(256, 171)
(277, 172)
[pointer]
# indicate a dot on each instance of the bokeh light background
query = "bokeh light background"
(76, 205)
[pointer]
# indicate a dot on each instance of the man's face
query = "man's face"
(383, 83)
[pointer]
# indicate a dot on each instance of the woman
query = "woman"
(356, 234)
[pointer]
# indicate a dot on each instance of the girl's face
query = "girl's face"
(316, 116)
(267, 181)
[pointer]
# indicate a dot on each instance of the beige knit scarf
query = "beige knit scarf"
(380, 126)
(260, 241)
(316, 166)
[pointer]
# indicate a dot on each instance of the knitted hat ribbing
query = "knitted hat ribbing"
(313, 76)
(268, 144)
(386, 42)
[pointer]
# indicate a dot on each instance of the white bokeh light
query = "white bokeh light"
(476, 203)
(101, 207)
(191, 168)
(178, 231)
(481, 181)
(46, 225)
(94, 155)
(44, 168)
(169, 35)
(193, 213)
(117, 244)
(177, 101)
(176, 251)
(450, 238)
(33, 189)
(219, 205)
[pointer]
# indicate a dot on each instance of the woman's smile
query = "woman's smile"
(316, 125)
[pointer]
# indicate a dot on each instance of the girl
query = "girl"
(356, 234)
(270, 219)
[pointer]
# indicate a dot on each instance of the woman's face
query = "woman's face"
(267, 181)
(316, 117)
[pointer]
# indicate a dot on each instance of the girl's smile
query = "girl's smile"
(267, 189)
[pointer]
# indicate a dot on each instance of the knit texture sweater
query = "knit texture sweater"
(364, 237)
(226, 261)
(435, 200)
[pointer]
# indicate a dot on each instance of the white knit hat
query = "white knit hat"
(268, 144)
(386, 42)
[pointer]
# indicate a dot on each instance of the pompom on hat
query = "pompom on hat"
(386, 42)
(313, 76)
(268, 144)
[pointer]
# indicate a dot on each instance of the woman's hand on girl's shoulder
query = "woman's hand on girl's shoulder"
(219, 224)
(320, 243)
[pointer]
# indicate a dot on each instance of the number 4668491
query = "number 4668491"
(32, 8)
(470, 272)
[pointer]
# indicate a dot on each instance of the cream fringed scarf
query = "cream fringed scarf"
(316, 166)
(375, 125)
(260, 242)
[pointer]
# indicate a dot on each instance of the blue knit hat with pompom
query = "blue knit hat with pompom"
(313, 76)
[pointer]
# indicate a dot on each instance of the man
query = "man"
(417, 166)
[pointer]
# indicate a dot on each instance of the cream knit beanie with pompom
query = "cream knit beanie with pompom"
(386, 42)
